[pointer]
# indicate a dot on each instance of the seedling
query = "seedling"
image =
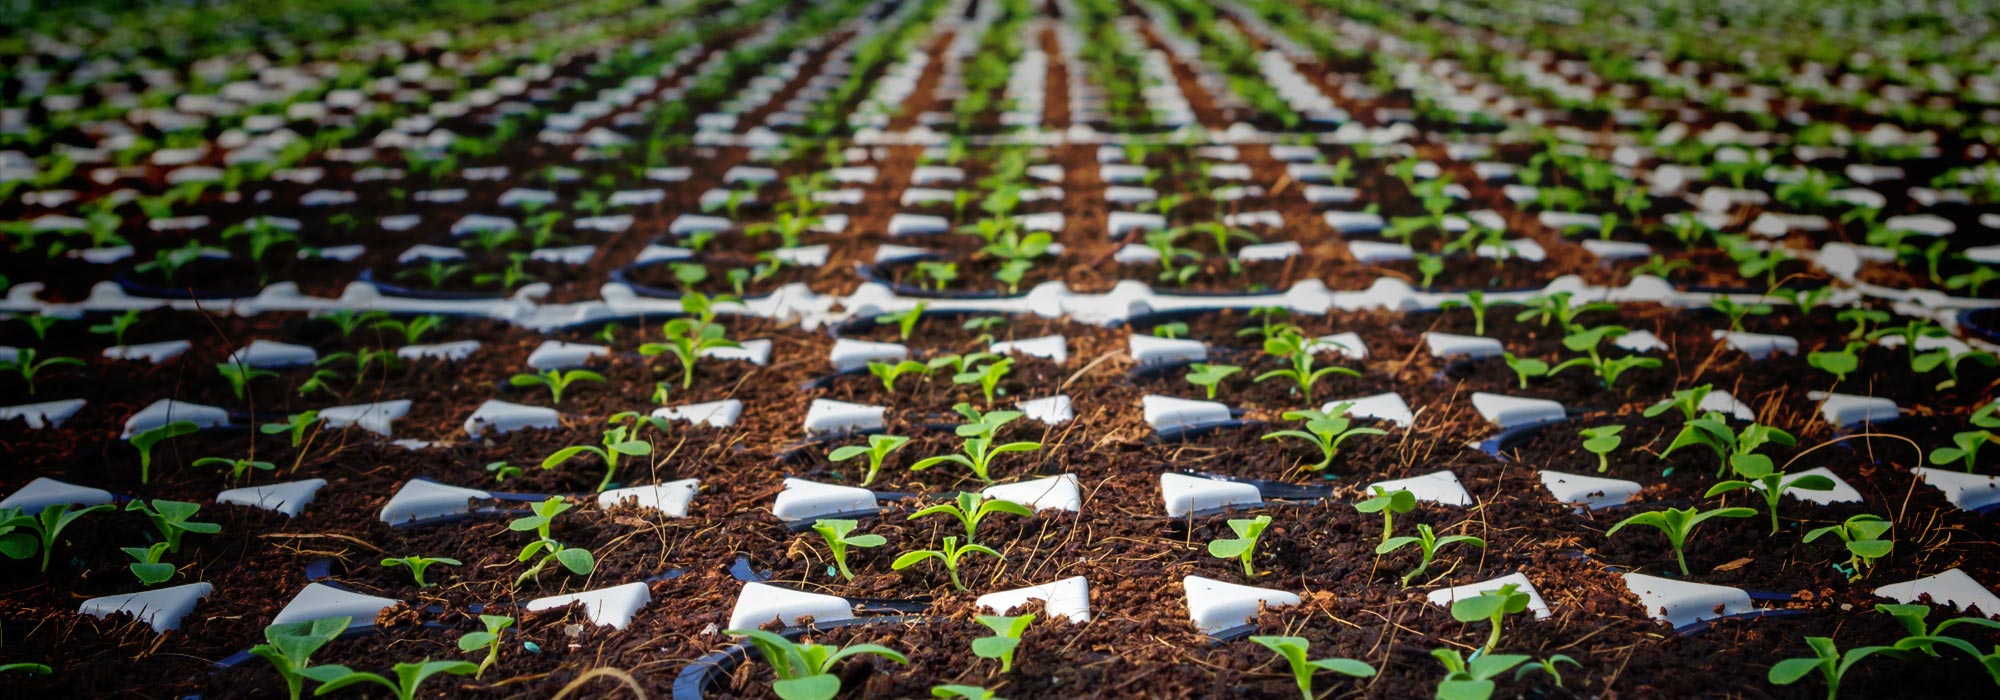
(949, 555)
(435, 272)
(1472, 680)
(148, 567)
(577, 559)
(1326, 430)
(1244, 545)
(1556, 307)
(979, 450)
(1761, 476)
(1608, 369)
(1492, 606)
(616, 442)
(1862, 534)
(1600, 441)
(1736, 312)
(1678, 524)
(1944, 357)
(805, 671)
(988, 377)
(878, 449)
(1838, 363)
(1828, 660)
(1294, 651)
(1430, 266)
(889, 372)
(1731, 448)
(1005, 640)
(1388, 503)
(557, 381)
(835, 532)
(1428, 544)
(962, 692)
(146, 440)
(488, 640)
(1966, 449)
(1270, 320)
(958, 363)
(412, 330)
(33, 669)
(502, 471)
(25, 364)
(409, 676)
(239, 469)
(417, 565)
(117, 326)
(1687, 401)
(1550, 666)
(1208, 376)
(239, 375)
(1913, 618)
(172, 519)
(687, 339)
(296, 424)
(905, 321)
(971, 508)
(1525, 368)
(1300, 351)
(1170, 331)
(1862, 319)
(289, 648)
(45, 526)
(1475, 301)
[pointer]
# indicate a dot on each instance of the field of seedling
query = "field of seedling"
(1019, 349)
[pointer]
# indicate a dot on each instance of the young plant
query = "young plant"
(1208, 376)
(45, 527)
(1170, 331)
(488, 640)
(409, 677)
(25, 364)
(949, 556)
(239, 375)
(988, 377)
(146, 440)
(971, 508)
(147, 565)
(1944, 357)
(687, 339)
(1759, 475)
(577, 559)
(1525, 368)
(412, 330)
(1677, 524)
(172, 519)
(1388, 503)
(617, 442)
(1863, 537)
(1428, 544)
(1827, 659)
(1472, 680)
(1736, 312)
(905, 321)
(877, 450)
(1295, 650)
(835, 532)
(296, 424)
(1600, 441)
(1608, 369)
(117, 326)
(557, 381)
(1326, 430)
(1838, 363)
(417, 565)
(1475, 301)
(1551, 666)
(1966, 448)
(890, 372)
(289, 648)
(979, 450)
(1493, 607)
(1005, 640)
(1687, 401)
(239, 469)
(1244, 545)
(1300, 351)
(805, 671)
